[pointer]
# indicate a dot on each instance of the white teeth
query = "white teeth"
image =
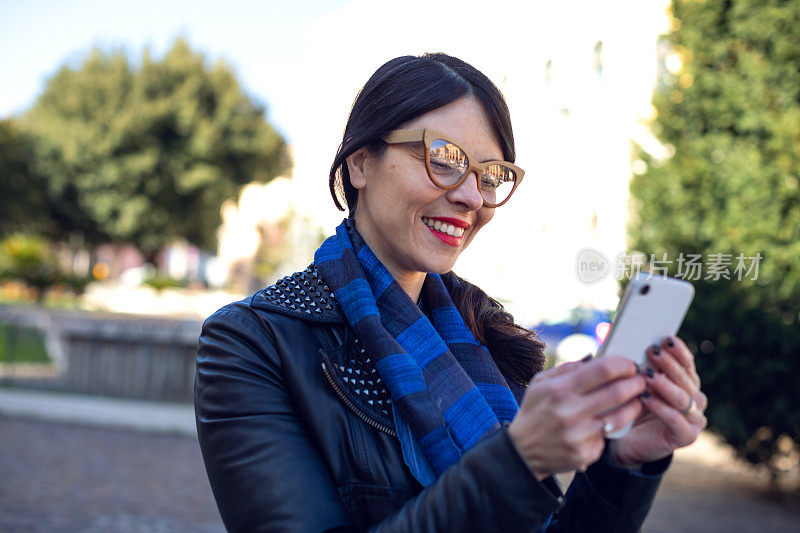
(443, 227)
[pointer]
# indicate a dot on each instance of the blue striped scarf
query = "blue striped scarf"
(444, 385)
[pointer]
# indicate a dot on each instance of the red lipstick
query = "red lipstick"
(450, 240)
(452, 221)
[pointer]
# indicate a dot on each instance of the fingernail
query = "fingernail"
(650, 373)
(645, 394)
(587, 357)
(656, 350)
(670, 342)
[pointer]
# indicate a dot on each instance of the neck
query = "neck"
(411, 283)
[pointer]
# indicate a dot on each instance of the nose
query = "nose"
(467, 193)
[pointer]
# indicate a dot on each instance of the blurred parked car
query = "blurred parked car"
(574, 334)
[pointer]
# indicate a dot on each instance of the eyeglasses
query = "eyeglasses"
(448, 164)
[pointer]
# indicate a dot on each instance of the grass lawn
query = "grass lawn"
(21, 345)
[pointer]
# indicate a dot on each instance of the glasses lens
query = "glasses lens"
(448, 162)
(497, 182)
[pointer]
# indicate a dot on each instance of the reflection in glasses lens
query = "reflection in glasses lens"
(497, 182)
(449, 163)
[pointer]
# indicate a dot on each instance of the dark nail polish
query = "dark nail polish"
(670, 342)
(656, 351)
(645, 394)
(587, 357)
(650, 373)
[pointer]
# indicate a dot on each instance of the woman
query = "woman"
(376, 389)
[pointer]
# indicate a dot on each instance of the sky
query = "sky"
(262, 41)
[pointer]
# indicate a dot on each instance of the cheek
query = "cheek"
(485, 214)
(407, 186)
(417, 193)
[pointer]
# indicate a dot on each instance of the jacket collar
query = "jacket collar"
(306, 296)
(302, 295)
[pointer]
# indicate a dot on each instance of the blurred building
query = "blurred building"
(578, 77)
(263, 237)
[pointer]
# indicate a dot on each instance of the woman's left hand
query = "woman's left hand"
(674, 407)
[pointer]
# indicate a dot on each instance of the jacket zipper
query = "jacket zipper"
(358, 412)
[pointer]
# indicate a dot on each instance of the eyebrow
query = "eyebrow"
(490, 159)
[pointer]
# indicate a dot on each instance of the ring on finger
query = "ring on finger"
(608, 427)
(689, 409)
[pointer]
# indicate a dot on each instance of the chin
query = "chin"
(440, 267)
(439, 261)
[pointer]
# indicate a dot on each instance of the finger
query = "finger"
(702, 401)
(668, 391)
(679, 398)
(620, 417)
(564, 368)
(592, 374)
(611, 395)
(681, 353)
(556, 371)
(696, 419)
(664, 361)
(677, 424)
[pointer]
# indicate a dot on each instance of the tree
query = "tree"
(146, 154)
(22, 205)
(728, 109)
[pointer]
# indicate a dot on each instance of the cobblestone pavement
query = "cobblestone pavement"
(698, 498)
(65, 478)
(58, 477)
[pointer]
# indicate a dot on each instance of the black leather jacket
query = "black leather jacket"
(296, 433)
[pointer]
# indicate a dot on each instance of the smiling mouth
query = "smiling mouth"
(443, 227)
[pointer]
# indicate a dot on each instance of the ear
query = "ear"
(356, 163)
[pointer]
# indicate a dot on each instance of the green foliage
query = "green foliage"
(74, 283)
(22, 202)
(732, 117)
(159, 283)
(19, 344)
(28, 258)
(146, 154)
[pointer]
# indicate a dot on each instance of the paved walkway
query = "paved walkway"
(78, 463)
(153, 417)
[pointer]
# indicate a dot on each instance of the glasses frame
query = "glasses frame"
(427, 136)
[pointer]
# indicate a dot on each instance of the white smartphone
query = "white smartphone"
(649, 310)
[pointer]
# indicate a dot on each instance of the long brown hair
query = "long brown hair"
(518, 352)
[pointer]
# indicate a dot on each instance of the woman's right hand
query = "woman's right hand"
(561, 424)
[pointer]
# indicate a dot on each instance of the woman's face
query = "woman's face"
(398, 203)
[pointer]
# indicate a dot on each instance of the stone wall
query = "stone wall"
(108, 354)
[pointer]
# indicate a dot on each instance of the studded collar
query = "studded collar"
(303, 294)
